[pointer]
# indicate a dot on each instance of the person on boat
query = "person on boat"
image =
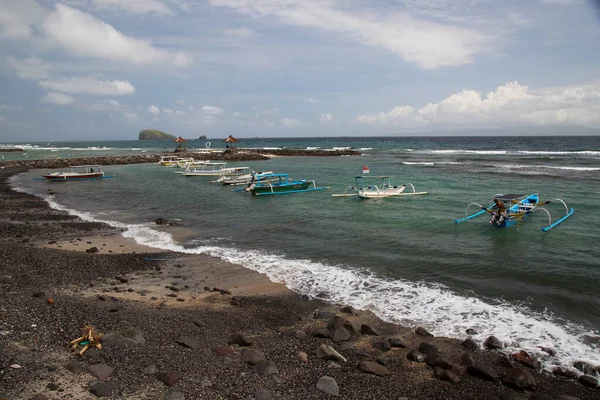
(498, 213)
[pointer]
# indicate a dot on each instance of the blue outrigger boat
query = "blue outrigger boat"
(515, 207)
(270, 183)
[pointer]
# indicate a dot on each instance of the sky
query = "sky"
(106, 69)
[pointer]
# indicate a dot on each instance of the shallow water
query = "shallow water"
(403, 258)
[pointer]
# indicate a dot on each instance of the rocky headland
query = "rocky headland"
(180, 326)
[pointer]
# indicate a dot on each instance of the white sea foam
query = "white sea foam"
(501, 152)
(418, 163)
(441, 311)
(312, 148)
(538, 167)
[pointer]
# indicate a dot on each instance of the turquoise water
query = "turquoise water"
(403, 258)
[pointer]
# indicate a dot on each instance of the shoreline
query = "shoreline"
(108, 290)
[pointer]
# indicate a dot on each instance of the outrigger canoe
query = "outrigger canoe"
(517, 207)
(370, 191)
(269, 184)
(77, 173)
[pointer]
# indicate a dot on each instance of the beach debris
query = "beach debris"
(91, 338)
(15, 366)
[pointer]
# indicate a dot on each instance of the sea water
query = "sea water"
(403, 258)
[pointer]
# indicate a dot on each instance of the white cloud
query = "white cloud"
(419, 41)
(105, 105)
(84, 35)
(58, 98)
(511, 103)
(270, 111)
(17, 18)
(29, 68)
(89, 86)
(168, 111)
(289, 122)
(153, 109)
(239, 32)
(213, 110)
(326, 118)
(131, 116)
(312, 100)
(562, 2)
(135, 6)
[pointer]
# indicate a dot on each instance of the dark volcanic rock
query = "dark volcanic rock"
(266, 367)
(328, 385)
(368, 330)
(483, 371)
(492, 342)
(519, 379)
(470, 344)
(239, 339)
(416, 356)
(102, 389)
(168, 378)
(189, 342)
(100, 371)
(423, 332)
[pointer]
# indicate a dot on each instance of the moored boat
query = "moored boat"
(269, 183)
(77, 173)
(205, 169)
(238, 176)
(383, 188)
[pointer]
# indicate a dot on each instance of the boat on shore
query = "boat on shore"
(270, 183)
(510, 209)
(384, 188)
(77, 173)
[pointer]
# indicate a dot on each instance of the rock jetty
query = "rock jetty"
(227, 155)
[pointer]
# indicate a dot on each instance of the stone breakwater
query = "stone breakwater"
(228, 155)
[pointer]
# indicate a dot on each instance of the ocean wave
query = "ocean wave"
(442, 311)
(504, 152)
(542, 167)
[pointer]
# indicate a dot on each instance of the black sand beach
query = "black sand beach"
(196, 327)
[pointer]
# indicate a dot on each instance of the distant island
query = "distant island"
(202, 137)
(153, 134)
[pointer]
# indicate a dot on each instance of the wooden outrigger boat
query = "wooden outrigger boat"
(238, 176)
(78, 173)
(206, 169)
(371, 191)
(270, 183)
(509, 209)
